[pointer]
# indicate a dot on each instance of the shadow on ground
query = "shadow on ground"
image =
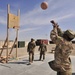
(19, 62)
(4, 65)
(73, 73)
(36, 60)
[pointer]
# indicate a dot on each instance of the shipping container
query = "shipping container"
(38, 41)
(21, 44)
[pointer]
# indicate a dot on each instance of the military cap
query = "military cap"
(32, 39)
(70, 33)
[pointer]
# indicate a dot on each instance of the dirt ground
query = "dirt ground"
(23, 51)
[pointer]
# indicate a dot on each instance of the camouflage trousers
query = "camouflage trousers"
(68, 72)
(59, 69)
(42, 54)
(31, 56)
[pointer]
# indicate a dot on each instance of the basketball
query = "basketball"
(44, 5)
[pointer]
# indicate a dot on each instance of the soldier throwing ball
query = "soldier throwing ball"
(62, 61)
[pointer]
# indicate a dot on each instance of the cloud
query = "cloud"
(27, 30)
(3, 17)
(58, 10)
(2, 21)
(23, 31)
(37, 16)
(64, 17)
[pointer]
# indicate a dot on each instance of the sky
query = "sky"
(34, 21)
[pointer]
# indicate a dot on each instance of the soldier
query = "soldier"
(42, 49)
(62, 61)
(30, 49)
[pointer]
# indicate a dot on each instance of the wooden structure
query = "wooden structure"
(12, 22)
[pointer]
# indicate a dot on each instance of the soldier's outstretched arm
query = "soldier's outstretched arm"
(55, 26)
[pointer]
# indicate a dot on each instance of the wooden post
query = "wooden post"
(12, 46)
(8, 10)
(16, 42)
(3, 47)
(17, 33)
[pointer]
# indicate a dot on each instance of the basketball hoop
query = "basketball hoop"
(15, 27)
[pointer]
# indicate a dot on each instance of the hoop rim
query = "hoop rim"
(16, 26)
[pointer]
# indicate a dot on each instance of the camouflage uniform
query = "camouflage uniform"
(62, 61)
(30, 49)
(42, 49)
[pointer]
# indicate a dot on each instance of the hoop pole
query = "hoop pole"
(8, 10)
(16, 42)
(17, 34)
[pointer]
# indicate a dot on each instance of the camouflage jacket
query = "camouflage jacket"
(63, 49)
(31, 46)
(42, 47)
